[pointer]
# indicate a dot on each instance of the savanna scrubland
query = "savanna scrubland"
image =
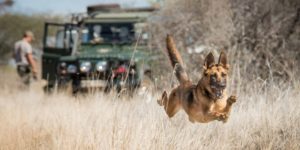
(262, 41)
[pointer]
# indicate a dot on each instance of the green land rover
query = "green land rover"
(106, 49)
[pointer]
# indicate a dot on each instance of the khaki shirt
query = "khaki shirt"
(22, 48)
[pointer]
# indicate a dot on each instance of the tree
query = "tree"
(12, 27)
(262, 35)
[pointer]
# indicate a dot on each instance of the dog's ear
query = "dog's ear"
(209, 61)
(223, 60)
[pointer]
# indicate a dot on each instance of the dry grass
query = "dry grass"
(265, 117)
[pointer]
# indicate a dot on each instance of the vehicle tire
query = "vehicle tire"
(48, 89)
(63, 83)
(75, 87)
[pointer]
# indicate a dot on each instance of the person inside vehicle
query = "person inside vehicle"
(97, 35)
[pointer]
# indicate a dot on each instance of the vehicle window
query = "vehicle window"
(55, 37)
(85, 35)
(110, 33)
(141, 32)
(97, 37)
(59, 38)
(71, 37)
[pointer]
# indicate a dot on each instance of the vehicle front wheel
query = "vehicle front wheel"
(48, 89)
(75, 86)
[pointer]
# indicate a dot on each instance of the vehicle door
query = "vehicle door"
(58, 41)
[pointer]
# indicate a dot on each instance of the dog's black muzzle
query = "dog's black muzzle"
(217, 89)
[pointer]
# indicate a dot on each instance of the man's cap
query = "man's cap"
(29, 33)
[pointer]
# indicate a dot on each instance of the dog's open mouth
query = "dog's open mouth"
(217, 91)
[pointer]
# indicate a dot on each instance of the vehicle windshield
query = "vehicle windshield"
(97, 33)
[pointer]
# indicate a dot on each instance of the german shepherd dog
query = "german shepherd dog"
(207, 100)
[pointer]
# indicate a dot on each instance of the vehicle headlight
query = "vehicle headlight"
(101, 66)
(85, 66)
(72, 69)
(62, 65)
(62, 68)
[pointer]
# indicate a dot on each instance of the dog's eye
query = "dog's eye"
(223, 74)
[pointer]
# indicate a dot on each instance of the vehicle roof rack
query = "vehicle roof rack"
(106, 8)
(103, 8)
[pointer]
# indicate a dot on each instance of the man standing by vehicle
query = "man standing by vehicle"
(24, 59)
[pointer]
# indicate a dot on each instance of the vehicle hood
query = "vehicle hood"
(123, 52)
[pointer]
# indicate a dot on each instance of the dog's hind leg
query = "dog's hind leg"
(163, 99)
(172, 104)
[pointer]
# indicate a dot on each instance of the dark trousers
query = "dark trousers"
(24, 72)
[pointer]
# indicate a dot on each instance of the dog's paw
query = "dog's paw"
(191, 120)
(223, 118)
(219, 116)
(159, 102)
(232, 99)
(216, 114)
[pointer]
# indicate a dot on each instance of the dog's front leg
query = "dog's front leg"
(214, 115)
(224, 116)
(230, 101)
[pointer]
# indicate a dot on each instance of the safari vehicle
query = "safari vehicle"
(106, 49)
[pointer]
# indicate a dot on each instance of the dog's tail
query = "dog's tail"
(176, 61)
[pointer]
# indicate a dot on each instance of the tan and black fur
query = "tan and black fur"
(207, 100)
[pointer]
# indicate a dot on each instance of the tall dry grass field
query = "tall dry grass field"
(266, 116)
